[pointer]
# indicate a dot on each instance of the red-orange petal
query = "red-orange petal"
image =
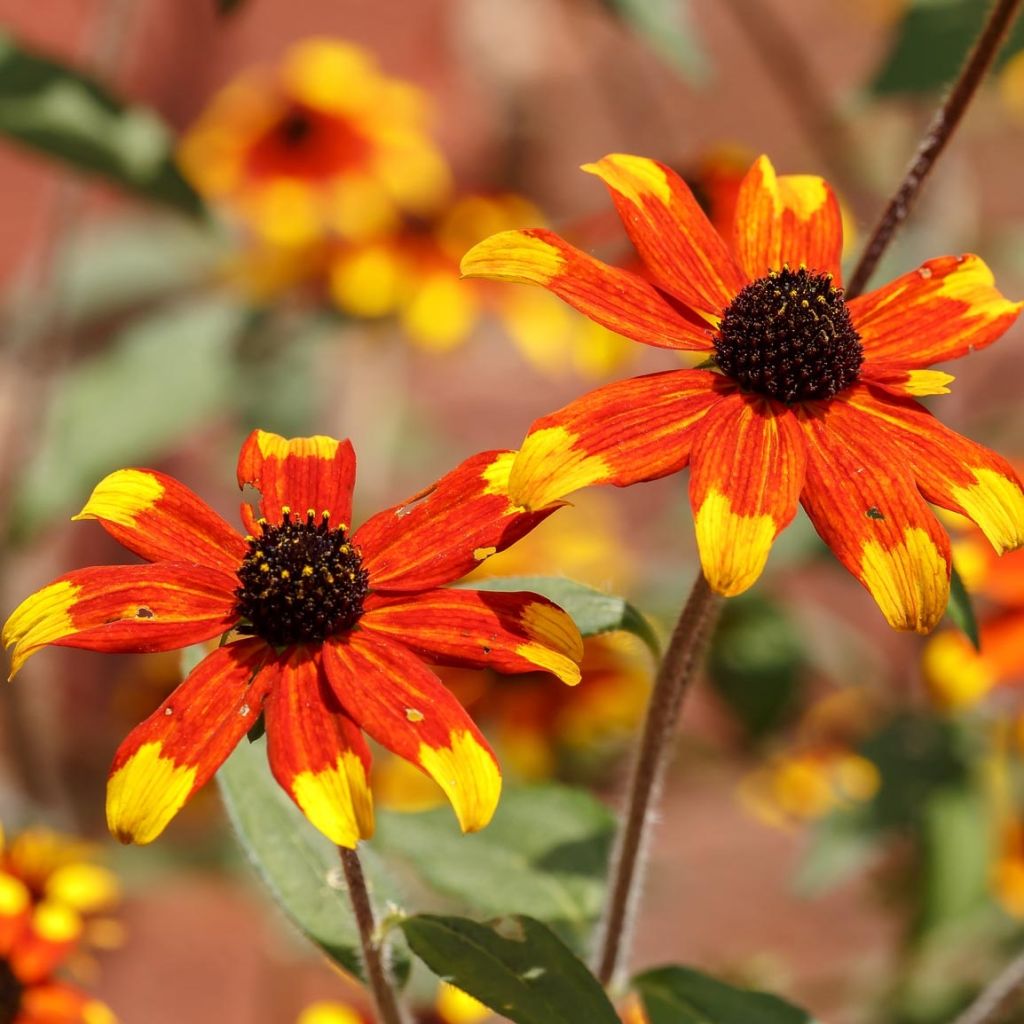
(746, 474)
(682, 252)
(317, 753)
(951, 470)
(395, 698)
(793, 219)
(175, 751)
(863, 501)
(160, 519)
(301, 474)
(125, 609)
(507, 632)
(445, 531)
(54, 1002)
(946, 308)
(617, 299)
(623, 433)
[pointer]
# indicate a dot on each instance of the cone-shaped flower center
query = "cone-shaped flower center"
(301, 582)
(789, 336)
(10, 994)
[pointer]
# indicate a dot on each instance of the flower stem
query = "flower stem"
(992, 1000)
(943, 124)
(388, 1011)
(682, 657)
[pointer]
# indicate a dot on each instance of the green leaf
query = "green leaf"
(162, 377)
(592, 610)
(841, 845)
(64, 113)
(680, 995)
(514, 965)
(961, 609)
(300, 866)
(544, 854)
(668, 28)
(931, 43)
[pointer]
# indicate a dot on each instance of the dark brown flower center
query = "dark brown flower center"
(301, 582)
(11, 990)
(789, 336)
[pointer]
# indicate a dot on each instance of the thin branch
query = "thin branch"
(986, 1008)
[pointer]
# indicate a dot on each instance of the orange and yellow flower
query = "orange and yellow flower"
(325, 144)
(36, 938)
(807, 398)
(326, 633)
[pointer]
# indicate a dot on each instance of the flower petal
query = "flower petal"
(951, 470)
(746, 474)
(632, 430)
(51, 933)
(617, 299)
(54, 1002)
(317, 753)
(160, 519)
(946, 308)
(682, 252)
(175, 751)
(901, 381)
(395, 698)
(507, 632)
(863, 501)
(444, 532)
(793, 219)
(301, 473)
(125, 609)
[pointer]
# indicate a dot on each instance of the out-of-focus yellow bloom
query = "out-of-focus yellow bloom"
(1011, 86)
(452, 1006)
(323, 144)
(331, 1013)
(1007, 876)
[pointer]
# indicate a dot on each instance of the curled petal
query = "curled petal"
(124, 609)
(508, 632)
(395, 698)
(175, 751)
(747, 471)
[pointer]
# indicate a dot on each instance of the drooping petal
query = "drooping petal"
(617, 299)
(395, 698)
(444, 532)
(793, 219)
(508, 632)
(746, 474)
(951, 471)
(682, 252)
(863, 501)
(902, 381)
(317, 753)
(946, 308)
(301, 473)
(160, 519)
(175, 751)
(125, 609)
(632, 430)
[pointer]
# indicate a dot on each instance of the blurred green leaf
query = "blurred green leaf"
(961, 609)
(680, 995)
(64, 113)
(544, 854)
(593, 611)
(667, 25)
(162, 377)
(300, 866)
(757, 664)
(931, 42)
(840, 846)
(514, 965)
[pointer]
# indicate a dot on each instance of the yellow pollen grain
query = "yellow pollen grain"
(264, 567)
(414, 715)
(285, 574)
(307, 570)
(482, 553)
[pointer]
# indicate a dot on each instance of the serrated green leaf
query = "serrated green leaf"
(680, 995)
(300, 866)
(961, 609)
(544, 854)
(514, 965)
(64, 113)
(668, 26)
(593, 611)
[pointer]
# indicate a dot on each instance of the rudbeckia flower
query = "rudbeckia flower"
(325, 143)
(326, 632)
(807, 397)
(35, 940)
